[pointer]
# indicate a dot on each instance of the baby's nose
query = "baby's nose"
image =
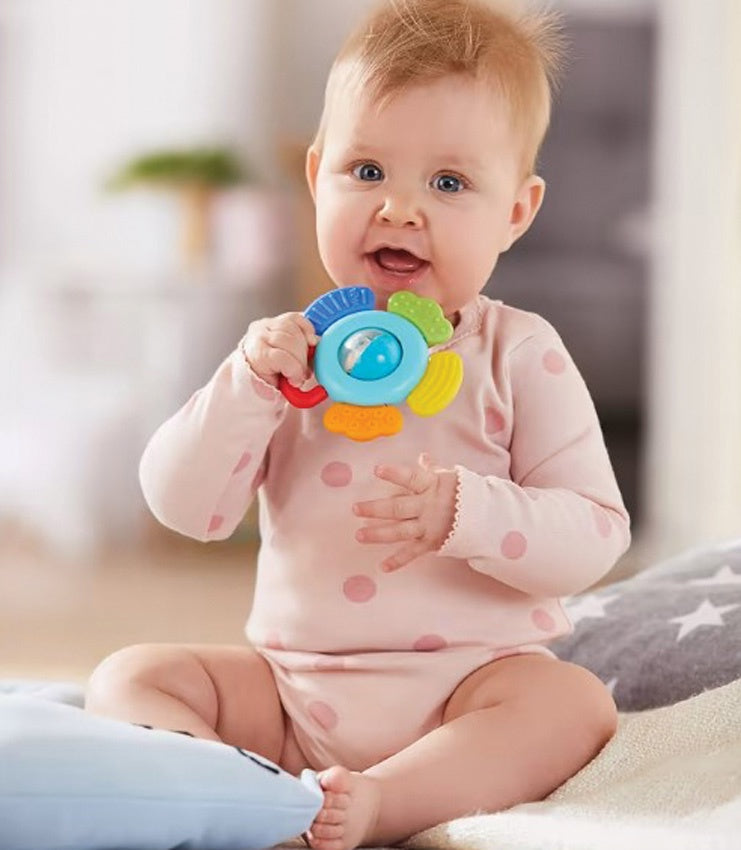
(401, 211)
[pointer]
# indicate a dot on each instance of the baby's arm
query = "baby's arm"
(559, 524)
(202, 467)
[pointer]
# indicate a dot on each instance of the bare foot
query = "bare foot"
(350, 811)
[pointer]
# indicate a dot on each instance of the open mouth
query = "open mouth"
(396, 268)
(398, 261)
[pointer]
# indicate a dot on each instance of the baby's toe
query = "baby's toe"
(317, 843)
(331, 816)
(335, 780)
(336, 801)
(327, 831)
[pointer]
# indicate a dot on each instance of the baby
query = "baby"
(408, 586)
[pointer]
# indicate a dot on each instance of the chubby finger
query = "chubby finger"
(286, 364)
(307, 329)
(414, 478)
(409, 529)
(404, 555)
(397, 507)
(425, 460)
(295, 324)
(288, 339)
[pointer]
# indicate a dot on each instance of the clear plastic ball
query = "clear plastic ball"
(370, 354)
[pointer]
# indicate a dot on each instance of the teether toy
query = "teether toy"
(367, 360)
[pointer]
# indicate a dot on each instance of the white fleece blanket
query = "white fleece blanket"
(670, 778)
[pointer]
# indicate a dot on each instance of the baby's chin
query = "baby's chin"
(382, 299)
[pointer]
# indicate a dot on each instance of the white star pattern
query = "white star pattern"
(725, 575)
(706, 614)
(589, 606)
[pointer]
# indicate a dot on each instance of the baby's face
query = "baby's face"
(422, 194)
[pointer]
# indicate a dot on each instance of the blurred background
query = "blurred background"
(152, 204)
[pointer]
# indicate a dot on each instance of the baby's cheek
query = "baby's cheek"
(335, 241)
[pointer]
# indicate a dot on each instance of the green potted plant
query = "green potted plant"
(196, 174)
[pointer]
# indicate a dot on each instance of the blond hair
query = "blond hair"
(409, 42)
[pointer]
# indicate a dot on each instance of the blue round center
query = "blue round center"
(370, 354)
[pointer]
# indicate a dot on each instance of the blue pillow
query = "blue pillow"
(73, 781)
(68, 692)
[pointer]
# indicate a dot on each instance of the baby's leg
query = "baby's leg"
(512, 732)
(223, 693)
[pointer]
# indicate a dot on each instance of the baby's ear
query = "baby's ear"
(527, 202)
(312, 168)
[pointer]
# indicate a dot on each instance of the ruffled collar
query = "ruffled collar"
(469, 322)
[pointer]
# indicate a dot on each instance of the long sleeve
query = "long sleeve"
(201, 468)
(559, 523)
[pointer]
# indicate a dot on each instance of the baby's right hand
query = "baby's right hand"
(280, 346)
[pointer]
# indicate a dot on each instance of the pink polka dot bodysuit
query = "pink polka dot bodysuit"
(365, 660)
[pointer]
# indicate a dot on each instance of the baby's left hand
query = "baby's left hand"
(423, 515)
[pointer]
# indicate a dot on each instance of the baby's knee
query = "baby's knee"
(142, 666)
(115, 674)
(592, 703)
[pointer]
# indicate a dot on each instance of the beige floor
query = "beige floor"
(58, 617)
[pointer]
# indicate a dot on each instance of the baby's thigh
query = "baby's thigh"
(250, 714)
(230, 688)
(558, 700)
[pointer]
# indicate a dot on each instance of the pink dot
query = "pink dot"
(543, 620)
(494, 421)
(263, 390)
(514, 545)
(359, 588)
(330, 663)
(273, 641)
(323, 714)
(243, 461)
(216, 522)
(336, 474)
(554, 362)
(430, 643)
(602, 520)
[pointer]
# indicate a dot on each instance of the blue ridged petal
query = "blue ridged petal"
(327, 308)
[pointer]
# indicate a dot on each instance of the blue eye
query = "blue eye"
(448, 183)
(368, 171)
